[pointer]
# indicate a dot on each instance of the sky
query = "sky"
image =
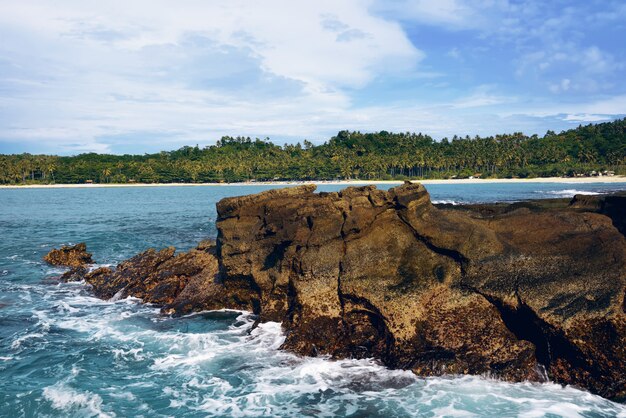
(141, 76)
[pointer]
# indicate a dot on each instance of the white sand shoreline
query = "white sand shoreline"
(564, 180)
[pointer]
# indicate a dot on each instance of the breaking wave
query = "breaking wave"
(124, 357)
(568, 192)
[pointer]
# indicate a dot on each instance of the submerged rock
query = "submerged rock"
(515, 291)
(69, 256)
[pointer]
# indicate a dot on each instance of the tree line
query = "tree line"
(348, 155)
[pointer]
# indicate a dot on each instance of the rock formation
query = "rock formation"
(69, 256)
(516, 291)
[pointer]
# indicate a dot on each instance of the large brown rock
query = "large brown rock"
(516, 291)
(365, 273)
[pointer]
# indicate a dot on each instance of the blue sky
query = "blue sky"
(148, 75)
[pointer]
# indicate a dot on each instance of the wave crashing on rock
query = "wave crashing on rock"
(521, 291)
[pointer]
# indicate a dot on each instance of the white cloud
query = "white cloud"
(596, 61)
(549, 41)
(85, 75)
(454, 53)
(292, 39)
(608, 106)
(79, 71)
(482, 96)
(586, 117)
(590, 110)
(450, 14)
(567, 67)
(563, 86)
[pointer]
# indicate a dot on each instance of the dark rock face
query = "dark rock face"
(613, 206)
(513, 291)
(69, 256)
(157, 277)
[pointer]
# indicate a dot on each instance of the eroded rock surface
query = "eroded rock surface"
(157, 277)
(75, 256)
(513, 291)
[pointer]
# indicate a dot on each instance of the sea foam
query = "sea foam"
(68, 400)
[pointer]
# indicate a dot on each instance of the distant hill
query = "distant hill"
(348, 155)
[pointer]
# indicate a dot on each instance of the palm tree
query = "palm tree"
(106, 172)
(51, 166)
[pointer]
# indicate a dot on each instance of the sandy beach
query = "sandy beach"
(567, 180)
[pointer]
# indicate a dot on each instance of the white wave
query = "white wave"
(17, 343)
(55, 271)
(265, 339)
(569, 192)
(214, 383)
(66, 399)
(446, 202)
(452, 411)
(64, 307)
(178, 360)
(133, 354)
(117, 296)
(99, 328)
(279, 378)
(484, 396)
(242, 314)
(43, 327)
(43, 320)
(75, 371)
(189, 349)
(26, 297)
(274, 382)
(280, 381)
(268, 335)
(103, 320)
(96, 266)
(126, 396)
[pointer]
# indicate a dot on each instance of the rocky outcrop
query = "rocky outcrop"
(516, 291)
(69, 256)
(370, 273)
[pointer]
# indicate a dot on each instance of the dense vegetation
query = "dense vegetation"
(349, 155)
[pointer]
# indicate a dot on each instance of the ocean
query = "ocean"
(66, 353)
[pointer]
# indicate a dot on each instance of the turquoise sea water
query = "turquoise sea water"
(65, 353)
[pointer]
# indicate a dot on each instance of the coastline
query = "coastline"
(567, 180)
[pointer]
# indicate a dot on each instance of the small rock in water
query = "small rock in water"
(69, 256)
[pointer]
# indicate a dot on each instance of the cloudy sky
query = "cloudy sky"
(139, 76)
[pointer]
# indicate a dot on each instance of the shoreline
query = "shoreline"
(566, 180)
